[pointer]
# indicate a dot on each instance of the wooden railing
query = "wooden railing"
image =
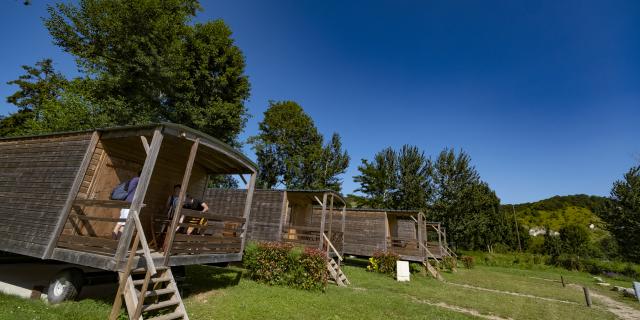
(307, 236)
(407, 247)
(85, 238)
(207, 233)
(331, 248)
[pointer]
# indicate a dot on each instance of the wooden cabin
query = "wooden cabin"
(55, 191)
(295, 216)
(404, 232)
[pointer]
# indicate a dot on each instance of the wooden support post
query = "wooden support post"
(247, 210)
(386, 231)
(324, 215)
(138, 196)
(440, 239)
(171, 233)
(344, 218)
(587, 296)
(283, 215)
(73, 193)
(330, 217)
(422, 252)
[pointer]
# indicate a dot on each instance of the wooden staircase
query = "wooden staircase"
(149, 292)
(335, 273)
(431, 269)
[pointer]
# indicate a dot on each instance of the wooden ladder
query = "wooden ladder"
(336, 274)
(333, 266)
(149, 292)
(433, 271)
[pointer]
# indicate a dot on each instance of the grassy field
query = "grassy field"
(483, 292)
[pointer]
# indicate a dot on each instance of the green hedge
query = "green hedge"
(277, 263)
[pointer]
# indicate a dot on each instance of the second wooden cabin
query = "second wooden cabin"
(309, 218)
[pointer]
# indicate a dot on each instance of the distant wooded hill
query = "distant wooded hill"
(558, 211)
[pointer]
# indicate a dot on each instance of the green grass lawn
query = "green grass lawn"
(223, 293)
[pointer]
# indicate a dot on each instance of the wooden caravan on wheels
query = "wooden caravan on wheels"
(55, 204)
(307, 218)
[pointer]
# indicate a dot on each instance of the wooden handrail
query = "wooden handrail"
(331, 246)
(91, 218)
(429, 252)
(145, 246)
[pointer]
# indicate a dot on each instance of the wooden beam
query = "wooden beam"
(283, 215)
(324, 215)
(145, 144)
(183, 191)
(386, 230)
(344, 217)
(138, 196)
(319, 202)
(243, 179)
(247, 209)
(330, 216)
(422, 252)
(71, 196)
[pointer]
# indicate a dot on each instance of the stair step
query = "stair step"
(144, 270)
(160, 305)
(159, 292)
(170, 316)
(152, 280)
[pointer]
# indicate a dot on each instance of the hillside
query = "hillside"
(558, 211)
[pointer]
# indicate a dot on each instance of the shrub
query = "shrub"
(277, 263)
(468, 261)
(383, 262)
(449, 263)
(415, 267)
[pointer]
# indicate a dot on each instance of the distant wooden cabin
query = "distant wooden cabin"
(404, 232)
(294, 216)
(54, 203)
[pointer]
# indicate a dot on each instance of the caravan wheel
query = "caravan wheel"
(65, 285)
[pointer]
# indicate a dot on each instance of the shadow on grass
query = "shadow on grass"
(361, 262)
(202, 278)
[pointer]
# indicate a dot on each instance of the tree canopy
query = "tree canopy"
(140, 61)
(291, 153)
(623, 214)
(448, 189)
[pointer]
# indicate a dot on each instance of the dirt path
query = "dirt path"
(511, 293)
(458, 309)
(618, 308)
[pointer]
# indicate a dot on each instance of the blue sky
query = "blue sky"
(543, 95)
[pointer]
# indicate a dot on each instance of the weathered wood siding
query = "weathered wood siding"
(266, 210)
(36, 175)
(365, 232)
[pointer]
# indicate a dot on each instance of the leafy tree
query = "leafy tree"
(39, 85)
(575, 239)
(290, 151)
(145, 61)
(622, 214)
(552, 244)
(396, 179)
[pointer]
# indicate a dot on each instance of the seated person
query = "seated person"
(124, 213)
(197, 205)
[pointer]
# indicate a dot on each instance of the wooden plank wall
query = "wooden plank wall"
(364, 232)
(266, 209)
(36, 175)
